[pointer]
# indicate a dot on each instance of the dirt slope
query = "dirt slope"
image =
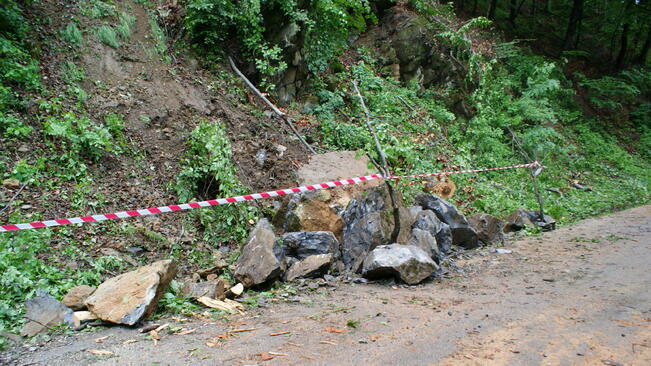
(576, 296)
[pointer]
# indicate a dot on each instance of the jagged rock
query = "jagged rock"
(426, 241)
(42, 312)
(462, 233)
(408, 217)
(75, 298)
(488, 228)
(312, 266)
(261, 259)
(214, 289)
(407, 262)
(304, 244)
(428, 221)
(363, 235)
(312, 211)
(368, 223)
(80, 317)
(132, 296)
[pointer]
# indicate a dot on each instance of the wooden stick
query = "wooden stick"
(279, 333)
(277, 111)
(242, 330)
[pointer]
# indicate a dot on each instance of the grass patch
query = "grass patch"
(125, 25)
(72, 34)
(108, 36)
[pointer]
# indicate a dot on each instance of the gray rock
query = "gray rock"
(75, 298)
(408, 217)
(425, 241)
(215, 289)
(462, 233)
(312, 266)
(367, 224)
(521, 218)
(132, 296)
(489, 228)
(407, 262)
(428, 221)
(42, 312)
(261, 260)
(304, 244)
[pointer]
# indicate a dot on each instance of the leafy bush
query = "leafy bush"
(78, 136)
(98, 9)
(209, 173)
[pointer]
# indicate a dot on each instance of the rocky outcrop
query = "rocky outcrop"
(132, 296)
(312, 266)
(407, 262)
(75, 298)
(489, 228)
(42, 313)
(462, 233)
(261, 260)
(301, 245)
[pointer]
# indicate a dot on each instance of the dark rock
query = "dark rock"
(462, 233)
(489, 228)
(262, 259)
(425, 241)
(428, 221)
(43, 312)
(312, 266)
(407, 262)
(304, 244)
(521, 218)
(132, 296)
(363, 235)
(75, 298)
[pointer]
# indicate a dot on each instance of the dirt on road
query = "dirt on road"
(580, 295)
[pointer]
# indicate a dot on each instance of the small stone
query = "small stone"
(75, 298)
(213, 289)
(503, 251)
(312, 266)
(329, 278)
(296, 299)
(360, 280)
(237, 290)
(135, 251)
(313, 285)
(11, 183)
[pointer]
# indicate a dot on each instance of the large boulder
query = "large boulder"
(407, 262)
(426, 241)
(132, 296)
(261, 260)
(488, 228)
(312, 266)
(304, 244)
(75, 298)
(462, 233)
(368, 223)
(408, 216)
(42, 313)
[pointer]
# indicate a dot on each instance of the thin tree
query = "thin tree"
(491, 9)
(572, 32)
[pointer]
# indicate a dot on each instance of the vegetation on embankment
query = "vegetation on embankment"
(588, 129)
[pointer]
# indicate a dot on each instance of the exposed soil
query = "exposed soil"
(576, 296)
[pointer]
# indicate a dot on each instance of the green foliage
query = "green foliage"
(160, 47)
(78, 136)
(108, 36)
(98, 9)
(25, 269)
(209, 173)
(326, 24)
(124, 26)
(72, 73)
(72, 34)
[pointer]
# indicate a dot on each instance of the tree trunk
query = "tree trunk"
(641, 58)
(623, 49)
(474, 8)
(513, 12)
(491, 10)
(533, 9)
(572, 26)
(548, 6)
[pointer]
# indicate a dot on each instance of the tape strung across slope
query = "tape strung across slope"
(248, 197)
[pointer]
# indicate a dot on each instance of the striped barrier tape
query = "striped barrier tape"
(223, 201)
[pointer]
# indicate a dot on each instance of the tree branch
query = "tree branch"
(277, 111)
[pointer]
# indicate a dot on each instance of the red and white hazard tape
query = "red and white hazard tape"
(223, 201)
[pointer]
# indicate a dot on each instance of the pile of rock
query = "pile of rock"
(353, 230)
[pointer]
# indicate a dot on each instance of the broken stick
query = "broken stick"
(275, 109)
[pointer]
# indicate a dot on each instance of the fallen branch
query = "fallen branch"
(279, 333)
(275, 109)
